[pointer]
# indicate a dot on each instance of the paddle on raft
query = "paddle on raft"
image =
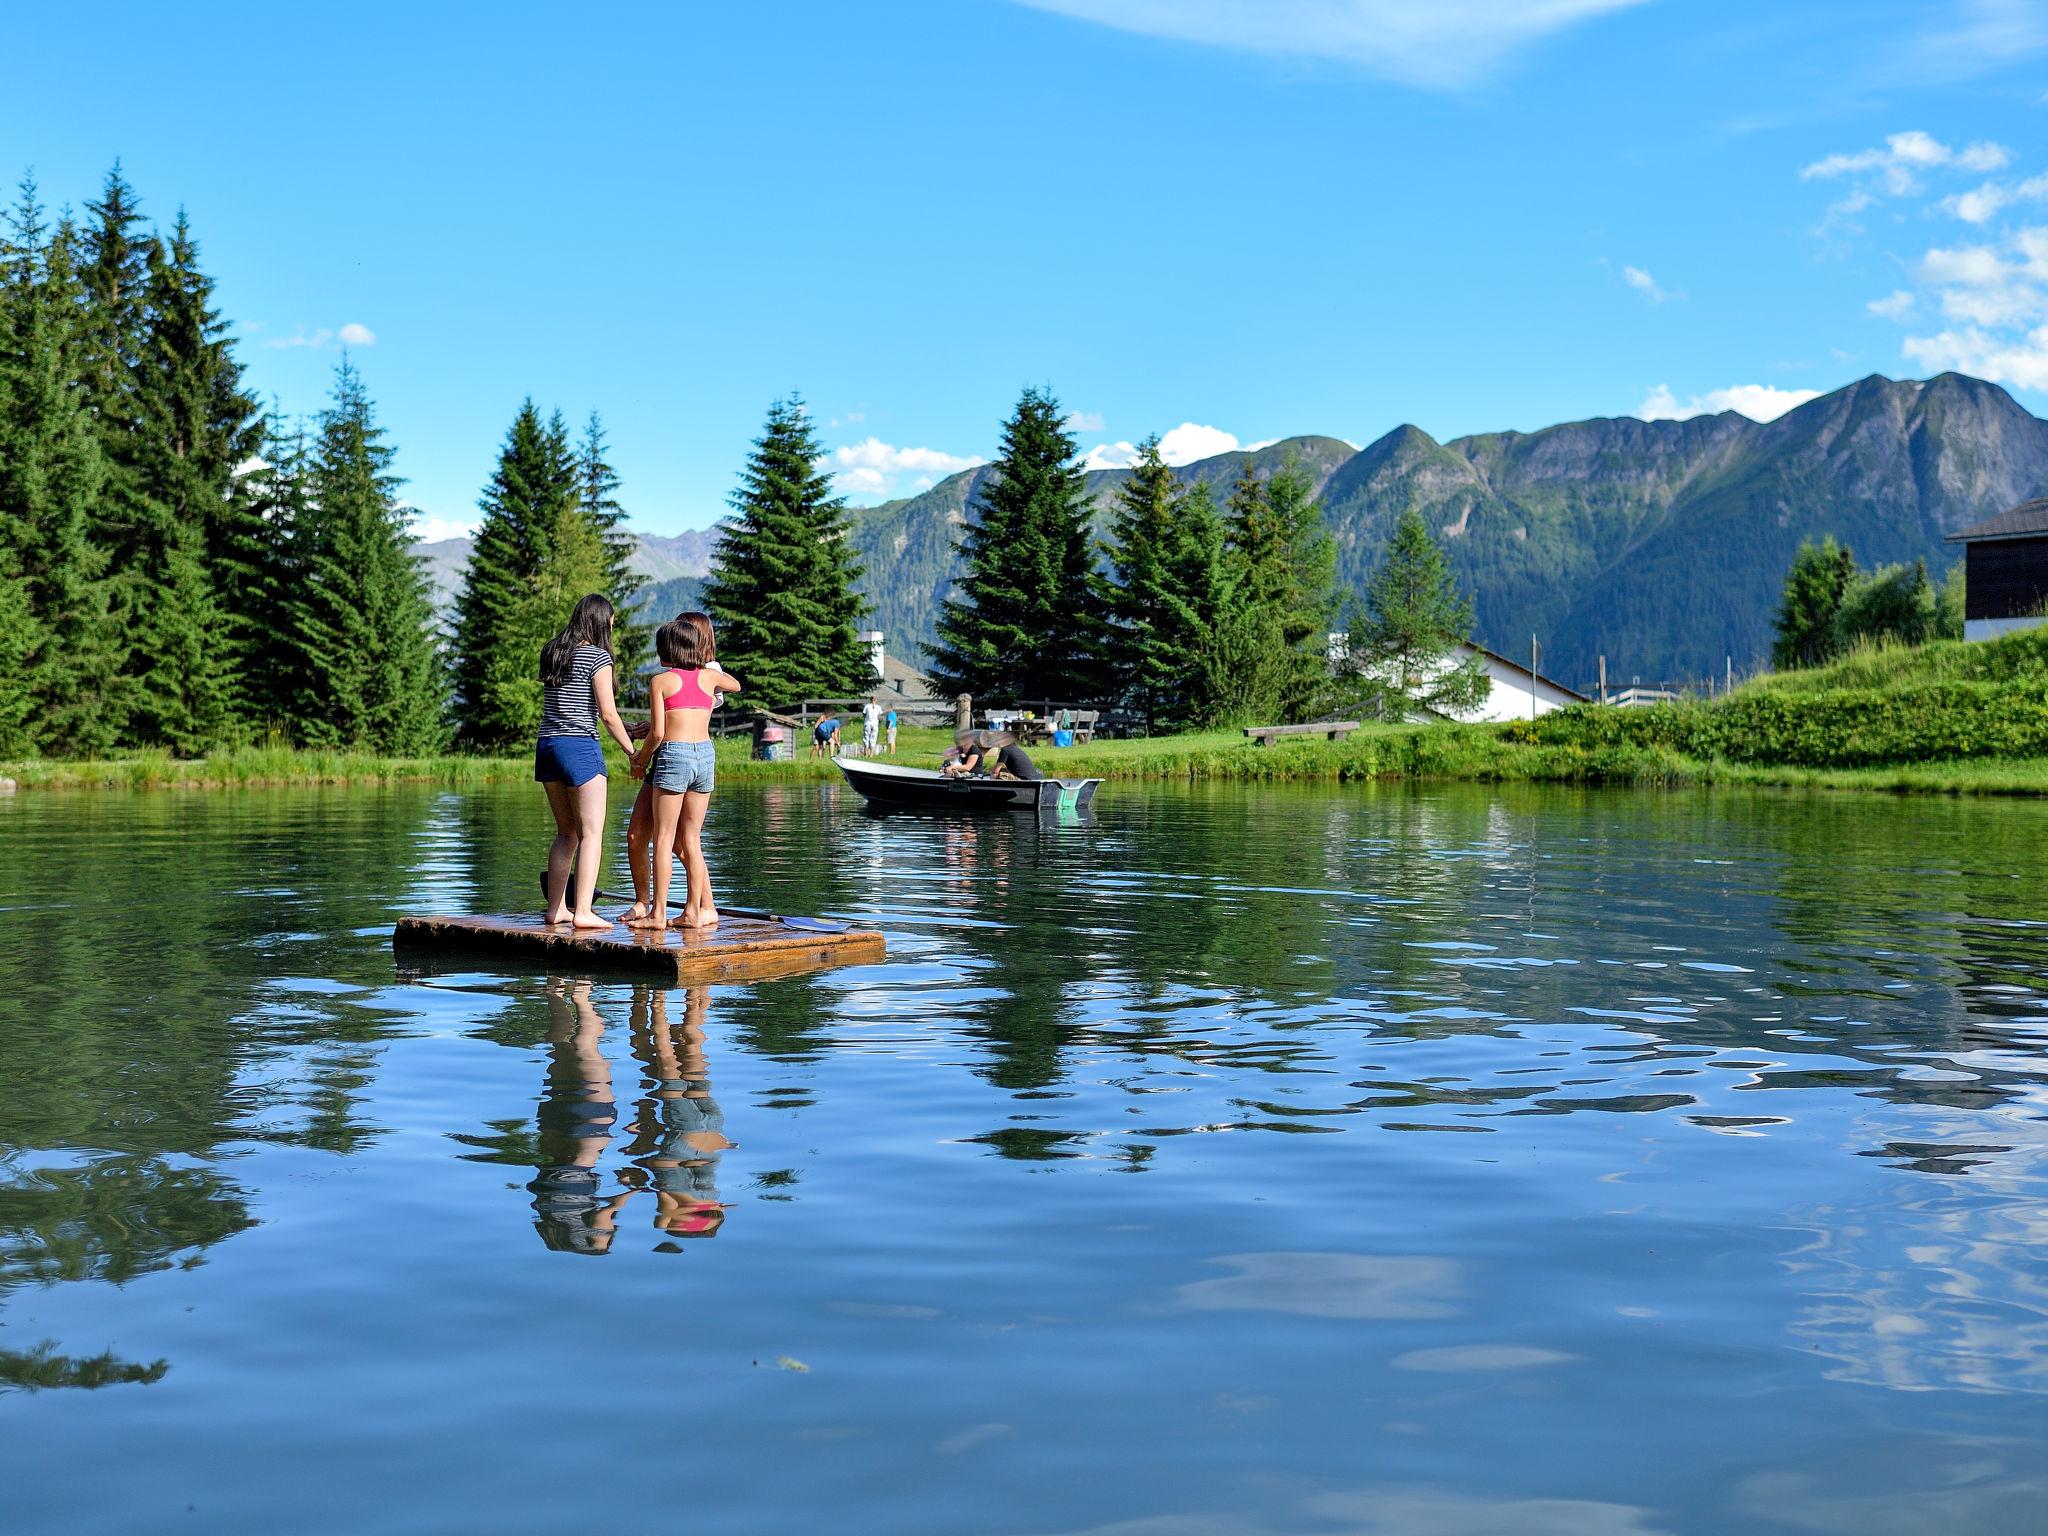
(800, 924)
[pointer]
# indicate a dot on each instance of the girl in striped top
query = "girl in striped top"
(568, 762)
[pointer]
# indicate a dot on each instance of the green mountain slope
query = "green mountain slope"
(1660, 545)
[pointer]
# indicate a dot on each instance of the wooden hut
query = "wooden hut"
(2006, 575)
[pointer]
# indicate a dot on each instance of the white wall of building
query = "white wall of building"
(1991, 629)
(1514, 693)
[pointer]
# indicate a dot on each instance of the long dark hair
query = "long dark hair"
(589, 624)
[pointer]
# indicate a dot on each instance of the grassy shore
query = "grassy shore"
(1948, 718)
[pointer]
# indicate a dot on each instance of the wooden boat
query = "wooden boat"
(887, 784)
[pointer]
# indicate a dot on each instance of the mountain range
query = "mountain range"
(1660, 545)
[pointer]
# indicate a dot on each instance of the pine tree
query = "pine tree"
(278, 497)
(1283, 564)
(201, 427)
(598, 488)
(191, 552)
(1021, 623)
(361, 619)
(1402, 650)
(52, 476)
(783, 575)
(1810, 609)
(501, 618)
(1166, 593)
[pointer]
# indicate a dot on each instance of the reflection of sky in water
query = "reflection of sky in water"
(1247, 1163)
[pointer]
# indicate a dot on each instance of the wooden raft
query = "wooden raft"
(738, 949)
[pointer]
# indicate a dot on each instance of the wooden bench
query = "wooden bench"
(1329, 730)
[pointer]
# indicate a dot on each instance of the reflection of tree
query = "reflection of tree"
(146, 1033)
(38, 1369)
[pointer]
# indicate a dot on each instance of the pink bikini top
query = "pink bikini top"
(689, 692)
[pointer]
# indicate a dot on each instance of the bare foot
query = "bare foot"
(555, 918)
(703, 917)
(590, 920)
(643, 921)
(632, 915)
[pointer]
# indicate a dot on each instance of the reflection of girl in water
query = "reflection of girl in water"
(577, 1113)
(678, 1128)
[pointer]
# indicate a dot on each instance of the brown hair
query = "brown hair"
(687, 641)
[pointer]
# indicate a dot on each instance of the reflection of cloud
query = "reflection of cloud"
(1481, 1357)
(971, 1438)
(1398, 1511)
(1328, 1285)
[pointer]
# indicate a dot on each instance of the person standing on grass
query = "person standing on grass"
(889, 721)
(870, 725)
(681, 764)
(568, 761)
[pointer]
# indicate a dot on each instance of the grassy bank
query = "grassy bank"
(1950, 718)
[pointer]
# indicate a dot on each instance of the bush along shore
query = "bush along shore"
(1953, 716)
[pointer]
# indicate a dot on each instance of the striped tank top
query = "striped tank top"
(569, 708)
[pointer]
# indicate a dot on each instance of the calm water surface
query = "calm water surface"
(1261, 1164)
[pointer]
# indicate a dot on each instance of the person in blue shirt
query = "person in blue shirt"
(889, 724)
(825, 737)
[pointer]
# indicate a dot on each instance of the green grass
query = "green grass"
(1889, 667)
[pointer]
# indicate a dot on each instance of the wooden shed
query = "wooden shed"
(2007, 571)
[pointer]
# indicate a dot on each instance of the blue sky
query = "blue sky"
(1224, 220)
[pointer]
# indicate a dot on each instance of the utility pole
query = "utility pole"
(1729, 687)
(1532, 677)
(1603, 679)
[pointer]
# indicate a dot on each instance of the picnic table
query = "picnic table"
(1329, 730)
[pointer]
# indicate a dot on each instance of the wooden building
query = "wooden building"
(2007, 573)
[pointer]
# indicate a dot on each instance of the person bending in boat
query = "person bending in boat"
(568, 762)
(680, 763)
(985, 754)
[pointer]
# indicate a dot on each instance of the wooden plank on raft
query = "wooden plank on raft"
(738, 949)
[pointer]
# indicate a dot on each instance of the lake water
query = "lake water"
(1413, 1163)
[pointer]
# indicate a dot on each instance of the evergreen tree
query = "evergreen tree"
(501, 616)
(52, 476)
(1167, 595)
(201, 429)
(782, 585)
(1283, 563)
(598, 487)
(1403, 646)
(1020, 623)
(1810, 609)
(361, 618)
(190, 558)
(278, 497)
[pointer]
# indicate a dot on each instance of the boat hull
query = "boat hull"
(887, 785)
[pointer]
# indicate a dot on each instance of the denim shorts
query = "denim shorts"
(681, 766)
(567, 760)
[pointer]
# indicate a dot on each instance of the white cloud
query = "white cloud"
(352, 334)
(2019, 360)
(1189, 441)
(1975, 37)
(430, 530)
(875, 468)
(1981, 204)
(1442, 44)
(1110, 456)
(1185, 444)
(1895, 305)
(1644, 284)
(1084, 421)
(1897, 168)
(1759, 402)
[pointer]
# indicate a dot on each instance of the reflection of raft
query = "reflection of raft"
(924, 789)
(738, 949)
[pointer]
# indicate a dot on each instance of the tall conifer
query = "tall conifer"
(598, 488)
(510, 602)
(362, 619)
(1021, 622)
(783, 575)
(277, 493)
(52, 478)
(1284, 565)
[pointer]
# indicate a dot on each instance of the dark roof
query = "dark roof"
(2024, 521)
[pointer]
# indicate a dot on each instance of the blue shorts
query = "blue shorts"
(567, 760)
(684, 766)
